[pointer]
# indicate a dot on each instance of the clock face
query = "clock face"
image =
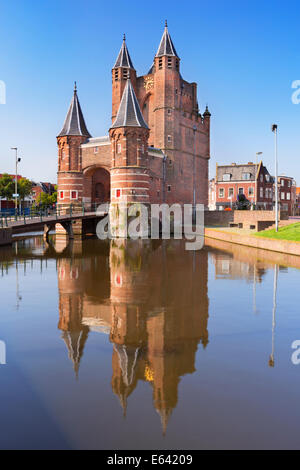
(148, 83)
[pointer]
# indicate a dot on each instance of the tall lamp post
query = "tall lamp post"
(274, 128)
(256, 161)
(16, 179)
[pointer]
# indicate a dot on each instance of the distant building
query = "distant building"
(12, 176)
(39, 188)
(297, 204)
(252, 180)
(287, 194)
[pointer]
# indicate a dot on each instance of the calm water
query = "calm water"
(144, 345)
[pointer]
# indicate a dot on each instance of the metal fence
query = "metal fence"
(40, 215)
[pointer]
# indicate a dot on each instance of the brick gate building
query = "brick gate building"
(157, 149)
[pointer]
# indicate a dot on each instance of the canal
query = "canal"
(141, 344)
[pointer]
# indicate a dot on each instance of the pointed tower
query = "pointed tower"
(167, 93)
(69, 140)
(122, 70)
(129, 142)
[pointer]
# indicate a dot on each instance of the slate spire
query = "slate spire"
(129, 113)
(166, 46)
(123, 59)
(74, 123)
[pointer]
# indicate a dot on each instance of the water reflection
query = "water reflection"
(151, 300)
(154, 310)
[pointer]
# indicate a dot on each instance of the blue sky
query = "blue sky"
(244, 55)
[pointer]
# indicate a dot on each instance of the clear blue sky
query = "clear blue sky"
(244, 55)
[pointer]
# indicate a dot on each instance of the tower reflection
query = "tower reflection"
(151, 298)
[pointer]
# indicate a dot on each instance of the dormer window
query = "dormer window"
(226, 177)
(246, 176)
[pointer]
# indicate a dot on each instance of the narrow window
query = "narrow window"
(74, 194)
(61, 195)
(160, 63)
(169, 138)
(177, 64)
(119, 148)
(221, 192)
(169, 62)
(169, 188)
(118, 192)
(95, 149)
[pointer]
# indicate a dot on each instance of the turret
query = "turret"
(122, 70)
(129, 142)
(167, 90)
(69, 140)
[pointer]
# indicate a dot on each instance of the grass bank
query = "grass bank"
(289, 232)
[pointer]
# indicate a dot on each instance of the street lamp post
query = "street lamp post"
(274, 128)
(256, 161)
(16, 179)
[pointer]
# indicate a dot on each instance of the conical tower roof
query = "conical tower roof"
(166, 46)
(74, 123)
(129, 113)
(123, 59)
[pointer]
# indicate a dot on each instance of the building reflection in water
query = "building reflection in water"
(151, 298)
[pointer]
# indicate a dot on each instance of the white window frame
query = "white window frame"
(223, 193)
(288, 196)
(63, 193)
(252, 191)
(282, 196)
(71, 196)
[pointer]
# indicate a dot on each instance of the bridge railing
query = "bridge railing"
(41, 215)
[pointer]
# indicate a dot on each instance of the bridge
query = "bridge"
(71, 223)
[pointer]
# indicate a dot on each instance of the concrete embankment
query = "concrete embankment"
(5, 236)
(279, 246)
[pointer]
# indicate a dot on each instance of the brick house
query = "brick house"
(39, 188)
(252, 180)
(287, 194)
(157, 148)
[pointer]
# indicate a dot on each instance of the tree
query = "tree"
(7, 186)
(24, 188)
(242, 203)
